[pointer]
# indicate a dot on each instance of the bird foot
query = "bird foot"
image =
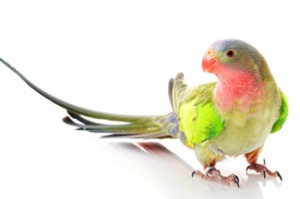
(263, 169)
(212, 174)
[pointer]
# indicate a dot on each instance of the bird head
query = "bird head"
(229, 56)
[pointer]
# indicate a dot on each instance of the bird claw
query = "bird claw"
(237, 181)
(263, 169)
(212, 174)
(247, 168)
(264, 173)
(193, 173)
(278, 175)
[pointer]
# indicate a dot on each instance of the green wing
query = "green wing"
(197, 117)
(284, 111)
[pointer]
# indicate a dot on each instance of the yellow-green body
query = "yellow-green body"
(233, 116)
(215, 134)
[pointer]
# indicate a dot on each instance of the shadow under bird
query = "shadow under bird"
(230, 117)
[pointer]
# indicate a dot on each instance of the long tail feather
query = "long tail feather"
(157, 127)
(82, 120)
(164, 126)
(76, 109)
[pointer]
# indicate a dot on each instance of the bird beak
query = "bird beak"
(208, 63)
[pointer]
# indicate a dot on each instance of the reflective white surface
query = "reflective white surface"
(60, 166)
(118, 56)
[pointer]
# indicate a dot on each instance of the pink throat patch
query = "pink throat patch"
(238, 89)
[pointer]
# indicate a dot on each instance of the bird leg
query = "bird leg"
(212, 174)
(259, 168)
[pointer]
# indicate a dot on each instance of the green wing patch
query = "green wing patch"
(199, 122)
(284, 111)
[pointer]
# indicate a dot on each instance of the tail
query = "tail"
(161, 126)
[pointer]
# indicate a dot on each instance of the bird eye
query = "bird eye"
(230, 53)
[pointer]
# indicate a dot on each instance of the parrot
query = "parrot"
(230, 117)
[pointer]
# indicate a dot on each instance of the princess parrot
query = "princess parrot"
(227, 118)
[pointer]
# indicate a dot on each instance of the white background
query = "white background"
(118, 56)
